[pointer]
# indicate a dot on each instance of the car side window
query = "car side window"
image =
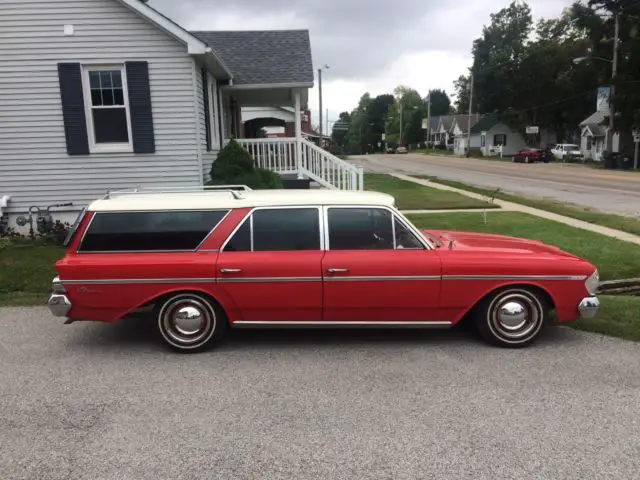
(278, 229)
(360, 229)
(405, 238)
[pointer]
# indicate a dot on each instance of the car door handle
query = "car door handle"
(337, 270)
(230, 270)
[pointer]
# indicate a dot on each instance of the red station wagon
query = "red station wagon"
(209, 260)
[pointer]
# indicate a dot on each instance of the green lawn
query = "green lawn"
(26, 272)
(619, 222)
(618, 317)
(413, 196)
(614, 258)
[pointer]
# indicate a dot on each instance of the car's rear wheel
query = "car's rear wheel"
(190, 322)
(512, 317)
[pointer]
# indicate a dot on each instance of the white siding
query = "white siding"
(34, 166)
(515, 141)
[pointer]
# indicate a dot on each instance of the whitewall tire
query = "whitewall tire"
(190, 322)
(513, 317)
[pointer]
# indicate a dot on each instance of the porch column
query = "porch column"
(298, 114)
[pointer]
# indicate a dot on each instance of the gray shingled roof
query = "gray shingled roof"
(596, 129)
(263, 57)
(594, 118)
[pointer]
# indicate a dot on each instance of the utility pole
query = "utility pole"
(429, 117)
(400, 106)
(327, 112)
(469, 119)
(614, 73)
(320, 100)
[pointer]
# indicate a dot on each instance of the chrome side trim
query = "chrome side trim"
(270, 280)
(381, 279)
(515, 277)
(133, 281)
(347, 324)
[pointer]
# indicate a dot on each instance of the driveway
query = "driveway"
(608, 191)
(91, 401)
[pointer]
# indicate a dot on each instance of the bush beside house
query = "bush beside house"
(234, 166)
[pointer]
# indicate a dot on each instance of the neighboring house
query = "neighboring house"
(447, 124)
(280, 121)
(593, 136)
(489, 135)
(459, 131)
(111, 94)
(432, 129)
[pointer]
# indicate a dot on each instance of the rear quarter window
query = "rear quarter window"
(149, 231)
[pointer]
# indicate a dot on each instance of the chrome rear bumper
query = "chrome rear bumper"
(589, 307)
(59, 305)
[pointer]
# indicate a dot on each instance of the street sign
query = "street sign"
(384, 137)
(533, 130)
(425, 123)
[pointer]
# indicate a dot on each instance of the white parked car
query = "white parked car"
(567, 152)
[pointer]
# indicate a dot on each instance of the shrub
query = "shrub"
(234, 166)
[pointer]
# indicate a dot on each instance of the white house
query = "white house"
(459, 131)
(593, 136)
(489, 134)
(111, 94)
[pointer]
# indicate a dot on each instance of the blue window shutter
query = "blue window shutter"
(140, 107)
(207, 111)
(73, 110)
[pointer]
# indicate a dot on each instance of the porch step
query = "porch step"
(292, 182)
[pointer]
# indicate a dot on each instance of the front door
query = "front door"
(271, 266)
(376, 269)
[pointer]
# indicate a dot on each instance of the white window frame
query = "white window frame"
(86, 88)
(212, 91)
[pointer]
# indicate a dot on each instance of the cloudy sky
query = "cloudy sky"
(369, 45)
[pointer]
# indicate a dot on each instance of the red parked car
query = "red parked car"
(532, 155)
(206, 261)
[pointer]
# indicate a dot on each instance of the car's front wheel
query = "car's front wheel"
(190, 322)
(513, 317)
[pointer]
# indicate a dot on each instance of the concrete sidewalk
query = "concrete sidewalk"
(516, 207)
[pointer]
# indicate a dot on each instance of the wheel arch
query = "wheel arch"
(545, 294)
(156, 300)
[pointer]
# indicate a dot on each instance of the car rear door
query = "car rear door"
(270, 266)
(376, 269)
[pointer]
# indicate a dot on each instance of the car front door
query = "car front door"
(270, 267)
(376, 269)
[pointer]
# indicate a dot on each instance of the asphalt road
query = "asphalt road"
(607, 191)
(92, 401)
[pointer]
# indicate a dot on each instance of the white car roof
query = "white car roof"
(200, 200)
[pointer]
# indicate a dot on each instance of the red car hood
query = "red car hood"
(491, 243)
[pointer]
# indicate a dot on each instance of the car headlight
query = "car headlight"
(592, 283)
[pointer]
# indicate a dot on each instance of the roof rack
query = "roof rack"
(234, 190)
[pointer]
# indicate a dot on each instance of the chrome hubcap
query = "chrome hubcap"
(516, 315)
(187, 320)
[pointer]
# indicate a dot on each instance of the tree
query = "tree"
(440, 102)
(461, 89)
(377, 116)
(359, 134)
(340, 130)
(412, 106)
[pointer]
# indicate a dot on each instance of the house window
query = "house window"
(500, 139)
(589, 142)
(106, 102)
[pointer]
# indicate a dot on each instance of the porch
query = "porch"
(289, 155)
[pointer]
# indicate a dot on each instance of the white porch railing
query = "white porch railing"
(275, 154)
(279, 155)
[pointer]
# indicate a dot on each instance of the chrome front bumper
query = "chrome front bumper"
(589, 307)
(59, 305)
